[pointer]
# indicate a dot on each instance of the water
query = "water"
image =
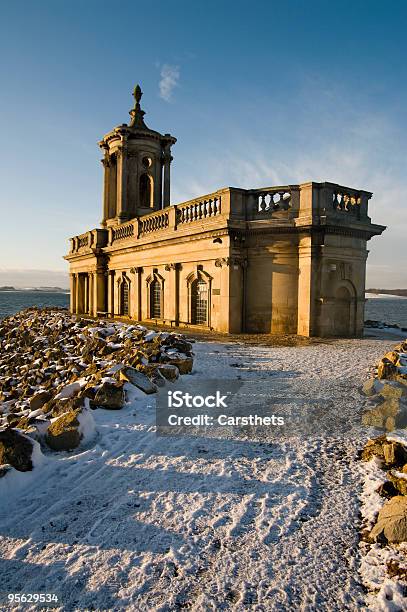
(13, 301)
(389, 310)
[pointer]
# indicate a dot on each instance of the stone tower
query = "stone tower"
(136, 168)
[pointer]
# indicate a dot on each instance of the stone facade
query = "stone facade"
(287, 259)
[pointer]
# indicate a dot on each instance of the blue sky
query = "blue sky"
(257, 94)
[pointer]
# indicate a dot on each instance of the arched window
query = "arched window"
(199, 302)
(146, 191)
(155, 299)
(125, 297)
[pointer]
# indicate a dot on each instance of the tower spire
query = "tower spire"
(136, 113)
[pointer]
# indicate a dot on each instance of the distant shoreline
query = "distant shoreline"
(33, 290)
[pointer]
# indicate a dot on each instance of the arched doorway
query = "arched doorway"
(199, 302)
(343, 324)
(146, 191)
(155, 299)
(125, 297)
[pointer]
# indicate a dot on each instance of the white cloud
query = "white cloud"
(168, 81)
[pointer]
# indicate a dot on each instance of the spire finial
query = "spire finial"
(136, 113)
(137, 93)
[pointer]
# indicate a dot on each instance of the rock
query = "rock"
(138, 379)
(63, 433)
(372, 386)
(110, 396)
(399, 481)
(39, 400)
(183, 363)
(392, 356)
(392, 390)
(387, 370)
(16, 450)
(169, 371)
(4, 469)
(391, 523)
(389, 415)
(393, 454)
(387, 489)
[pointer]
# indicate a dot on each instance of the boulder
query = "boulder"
(392, 356)
(138, 379)
(391, 523)
(393, 454)
(63, 433)
(387, 370)
(16, 450)
(169, 371)
(39, 400)
(399, 481)
(372, 386)
(183, 363)
(391, 414)
(393, 390)
(110, 396)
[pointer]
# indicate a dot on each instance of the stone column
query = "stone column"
(91, 294)
(172, 299)
(167, 163)
(72, 293)
(106, 188)
(86, 293)
(80, 294)
(122, 183)
(100, 291)
(110, 293)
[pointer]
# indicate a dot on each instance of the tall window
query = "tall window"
(155, 300)
(199, 302)
(145, 191)
(125, 297)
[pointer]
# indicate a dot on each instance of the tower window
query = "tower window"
(147, 162)
(146, 191)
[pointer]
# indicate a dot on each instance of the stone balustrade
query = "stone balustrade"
(276, 203)
(153, 222)
(345, 201)
(121, 232)
(195, 210)
(272, 199)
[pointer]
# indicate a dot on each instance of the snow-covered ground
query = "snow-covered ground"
(140, 522)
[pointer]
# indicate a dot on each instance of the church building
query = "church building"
(289, 259)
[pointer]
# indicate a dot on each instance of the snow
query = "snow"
(69, 390)
(371, 501)
(133, 521)
(87, 426)
(15, 482)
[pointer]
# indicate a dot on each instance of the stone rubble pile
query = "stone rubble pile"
(387, 393)
(55, 367)
(373, 324)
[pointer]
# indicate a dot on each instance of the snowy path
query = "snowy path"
(139, 522)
